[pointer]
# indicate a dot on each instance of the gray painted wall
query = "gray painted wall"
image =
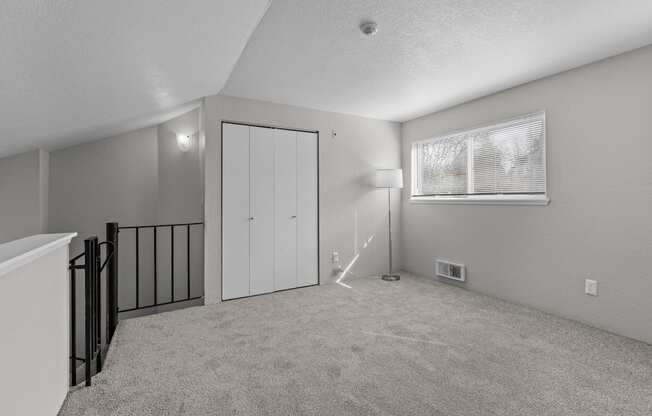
(598, 222)
(180, 200)
(351, 210)
(114, 179)
(44, 188)
(137, 178)
(180, 175)
(23, 195)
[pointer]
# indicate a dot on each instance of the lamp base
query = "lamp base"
(391, 277)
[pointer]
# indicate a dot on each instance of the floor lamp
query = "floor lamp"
(389, 178)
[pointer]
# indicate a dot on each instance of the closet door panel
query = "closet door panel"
(307, 213)
(235, 211)
(286, 210)
(262, 210)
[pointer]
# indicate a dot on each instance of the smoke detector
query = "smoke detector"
(369, 28)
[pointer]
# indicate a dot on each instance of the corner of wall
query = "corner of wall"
(202, 148)
(44, 188)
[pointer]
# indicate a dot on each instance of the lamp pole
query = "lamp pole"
(389, 276)
(389, 178)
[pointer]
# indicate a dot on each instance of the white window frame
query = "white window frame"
(512, 199)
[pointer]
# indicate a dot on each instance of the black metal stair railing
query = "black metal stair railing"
(186, 227)
(98, 328)
(100, 306)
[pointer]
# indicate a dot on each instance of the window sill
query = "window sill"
(479, 200)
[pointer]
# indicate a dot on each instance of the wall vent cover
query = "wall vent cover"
(450, 270)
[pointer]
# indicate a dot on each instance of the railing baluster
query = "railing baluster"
(73, 326)
(98, 305)
(112, 278)
(98, 293)
(155, 269)
(88, 259)
(137, 268)
(94, 277)
(172, 263)
(93, 300)
(188, 258)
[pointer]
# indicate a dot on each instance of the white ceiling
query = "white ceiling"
(427, 55)
(79, 70)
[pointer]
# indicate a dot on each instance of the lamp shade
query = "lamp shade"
(389, 178)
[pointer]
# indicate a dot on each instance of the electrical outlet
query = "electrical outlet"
(591, 287)
(335, 257)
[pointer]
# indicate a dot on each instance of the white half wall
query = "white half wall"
(353, 214)
(35, 324)
(599, 143)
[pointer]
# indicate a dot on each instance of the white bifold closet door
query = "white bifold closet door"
(261, 197)
(307, 211)
(235, 211)
(285, 275)
(269, 210)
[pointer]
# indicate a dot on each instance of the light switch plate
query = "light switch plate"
(335, 257)
(591, 287)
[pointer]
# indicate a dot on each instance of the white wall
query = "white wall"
(136, 178)
(23, 195)
(34, 323)
(598, 223)
(179, 173)
(351, 210)
(44, 188)
(180, 200)
(114, 179)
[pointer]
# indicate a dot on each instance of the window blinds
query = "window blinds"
(502, 159)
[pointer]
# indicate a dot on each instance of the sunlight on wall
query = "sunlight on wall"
(347, 269)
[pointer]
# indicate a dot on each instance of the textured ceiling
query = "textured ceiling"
(78, 70)
(427, 55)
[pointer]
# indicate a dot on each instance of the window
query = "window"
(501, 163)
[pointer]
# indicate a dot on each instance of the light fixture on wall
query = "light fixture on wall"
(389, 178)
(184, 141)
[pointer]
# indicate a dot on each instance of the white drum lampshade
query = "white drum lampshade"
(389, 178)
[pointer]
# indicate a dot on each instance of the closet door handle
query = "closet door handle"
(294, 216)
(251, 218)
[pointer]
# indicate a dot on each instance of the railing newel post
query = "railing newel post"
(112, 230)
(98, 303)
(88, 261)
(73, 326)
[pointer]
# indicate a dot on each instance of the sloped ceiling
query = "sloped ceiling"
(427, 55)
(79, 70)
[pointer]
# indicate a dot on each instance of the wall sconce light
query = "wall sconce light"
(184, 141)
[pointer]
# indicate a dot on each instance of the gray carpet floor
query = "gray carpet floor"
(414, 347)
